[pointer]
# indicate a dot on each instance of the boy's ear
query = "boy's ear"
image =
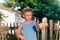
(23, 16)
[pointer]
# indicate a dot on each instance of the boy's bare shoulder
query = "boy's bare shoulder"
(20, 27)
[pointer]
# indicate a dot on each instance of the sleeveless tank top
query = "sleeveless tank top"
(29, 31)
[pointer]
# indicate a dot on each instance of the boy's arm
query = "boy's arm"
(36, 25)
(18, 33)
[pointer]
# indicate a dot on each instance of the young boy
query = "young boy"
(28, 27)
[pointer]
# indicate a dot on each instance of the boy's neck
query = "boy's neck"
(28, 21)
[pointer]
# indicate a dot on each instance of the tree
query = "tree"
(48, 8)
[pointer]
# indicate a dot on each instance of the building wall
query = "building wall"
(18, 18)
(12, 17)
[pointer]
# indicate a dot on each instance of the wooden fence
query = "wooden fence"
(52, 32)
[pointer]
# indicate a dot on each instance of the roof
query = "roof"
(9, 9)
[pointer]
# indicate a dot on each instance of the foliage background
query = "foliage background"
(42, 8)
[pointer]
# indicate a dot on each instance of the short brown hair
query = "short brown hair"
(27, 10)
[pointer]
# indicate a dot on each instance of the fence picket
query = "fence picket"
(51, 31)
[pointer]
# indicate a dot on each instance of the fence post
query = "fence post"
(51, 31)
(38, 31)
(43, 34)
(10, 28)
(46, 33)
(58, 30)
(14, 28)
(43, 26)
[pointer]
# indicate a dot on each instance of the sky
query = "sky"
(3, 1)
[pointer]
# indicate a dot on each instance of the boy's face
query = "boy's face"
(28, 15)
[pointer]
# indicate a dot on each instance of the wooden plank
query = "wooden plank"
(51, 31)
(43, 26)
(57, 32)
(43, 34)
(58, 28)
(44, 21)
(37, 31)
(46, 33)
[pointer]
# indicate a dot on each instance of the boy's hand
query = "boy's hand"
(35, 22)
(23, 38)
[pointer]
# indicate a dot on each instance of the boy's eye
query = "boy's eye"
(27, 15)
(30, 15)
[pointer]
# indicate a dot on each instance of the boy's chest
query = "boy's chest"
(29, 28)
